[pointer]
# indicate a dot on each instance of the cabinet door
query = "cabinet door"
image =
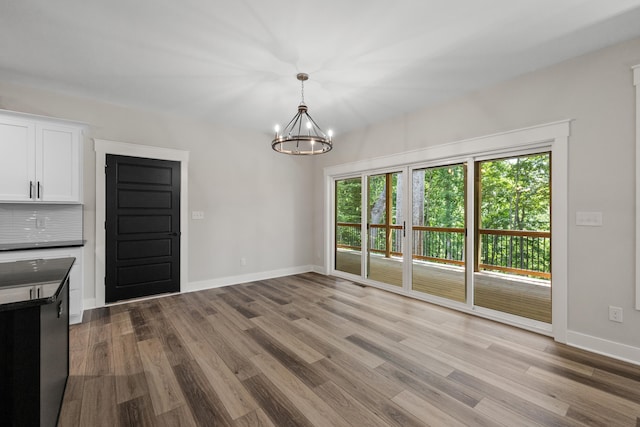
(17, 162)
(57, 164)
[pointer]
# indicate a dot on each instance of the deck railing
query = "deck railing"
(516, 251)
(509, 251)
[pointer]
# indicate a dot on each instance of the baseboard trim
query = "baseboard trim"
(616, 350)
(318, 269)
(244, 278)
(88, 304)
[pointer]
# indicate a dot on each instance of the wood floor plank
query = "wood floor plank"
(136, 412)
(296, 366)
(99, 359)
(72, 401)
(235, 335)
(264, 289)
(525, 408)
(330, 321)
(128, 369)
(613, 366)
(99, 406)
(163, 386)
(322, 335)
(280, 332)
(233, 300)
(281, 411)
(543, 400)
(236, 361)
(235, 398)
(366, 320)
(229, 313)
(418, 370)
(614, 403)
(369, 396)
(314, 408)
(70, 413)
(502, 415)
(347, 406)
(425, 410)
(255, 418)
(205, 404)
(172, 342)
(454, 406)
(78, 346)
(312, 350)
(178, 417)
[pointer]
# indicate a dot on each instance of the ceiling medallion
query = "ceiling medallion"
(302, 136)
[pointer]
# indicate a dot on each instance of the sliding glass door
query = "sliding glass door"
(385, 228)
(512, 271)
(439, 224)
(348, 231)
(482, 241)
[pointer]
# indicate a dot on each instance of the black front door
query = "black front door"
(142, 227)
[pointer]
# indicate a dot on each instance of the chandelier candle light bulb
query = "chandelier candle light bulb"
(292, 141)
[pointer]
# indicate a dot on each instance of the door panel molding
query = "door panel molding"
(102, 148)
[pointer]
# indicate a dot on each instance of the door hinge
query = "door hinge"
(105, 280)
(105, 225)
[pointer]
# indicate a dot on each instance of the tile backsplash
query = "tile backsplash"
(31, 223)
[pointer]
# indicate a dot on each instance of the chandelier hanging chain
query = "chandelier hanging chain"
(302, 91)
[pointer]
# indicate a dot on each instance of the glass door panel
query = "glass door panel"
(513, 237)
(348, 244)
(385, 228)
(439, 222)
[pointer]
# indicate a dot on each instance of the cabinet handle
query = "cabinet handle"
(59, 309)
(31, 189)
(38, 189)
(38, 289)
(31, 293)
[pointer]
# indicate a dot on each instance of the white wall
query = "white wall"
(257, 203)
(596, 90)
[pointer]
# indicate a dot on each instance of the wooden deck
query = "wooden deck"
(518, 296)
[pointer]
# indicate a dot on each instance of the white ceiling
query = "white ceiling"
(234, 61)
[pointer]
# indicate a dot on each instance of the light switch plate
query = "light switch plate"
(589, 219)
(197, 214)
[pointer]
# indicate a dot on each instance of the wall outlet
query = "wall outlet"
(615, 314)
(197, 215)
(243, 261)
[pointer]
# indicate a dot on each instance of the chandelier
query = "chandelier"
(302, 135)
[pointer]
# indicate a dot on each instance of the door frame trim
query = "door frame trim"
(102, 148)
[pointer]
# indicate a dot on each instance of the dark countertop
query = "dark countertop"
(17, 278)
(41, 245)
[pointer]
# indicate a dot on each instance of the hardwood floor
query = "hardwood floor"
(310, 350)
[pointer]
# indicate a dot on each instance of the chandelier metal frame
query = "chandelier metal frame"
(302, 136)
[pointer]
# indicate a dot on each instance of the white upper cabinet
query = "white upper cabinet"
(57, 164)
(40, 160)
(17, 160)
